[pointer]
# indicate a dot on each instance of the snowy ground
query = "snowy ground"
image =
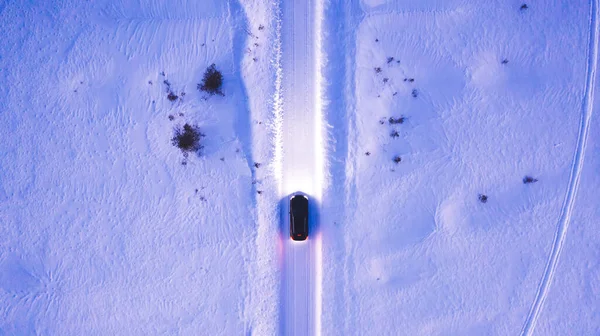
(420, 248)
(104, 231)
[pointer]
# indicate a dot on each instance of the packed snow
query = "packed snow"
(450, 150)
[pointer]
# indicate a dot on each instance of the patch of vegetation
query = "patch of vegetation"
(529, 179)
(187, 139)
(212, 81)
(393, 120)
(397, 159)
(172, 97)
(483, 198)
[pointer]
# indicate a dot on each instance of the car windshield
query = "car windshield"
(299, 206)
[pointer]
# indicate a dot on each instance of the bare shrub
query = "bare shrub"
(187, 139)
(212, 81)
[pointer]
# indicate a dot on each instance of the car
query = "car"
(299, 217)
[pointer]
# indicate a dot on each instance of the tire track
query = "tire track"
(565, 216)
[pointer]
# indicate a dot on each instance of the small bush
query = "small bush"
(393, 120)
(212, 81)
(483, 198)
(529, 179)
(397, 159)
(187, 139)
(394, 134)
(172, 97)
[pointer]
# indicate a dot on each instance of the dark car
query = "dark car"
(299, 217)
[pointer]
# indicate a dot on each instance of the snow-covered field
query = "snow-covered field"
(103, 230)
(419, 249)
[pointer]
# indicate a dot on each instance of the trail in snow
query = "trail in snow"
(300, 158)
(565, 216)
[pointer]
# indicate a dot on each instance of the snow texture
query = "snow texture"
(107, 229)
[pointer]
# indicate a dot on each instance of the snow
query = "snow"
(424, 252)
(103, 230)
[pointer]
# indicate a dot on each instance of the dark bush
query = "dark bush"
(187, 139)
(397, 159)
(172, 97)
(483, 198)
(529, 179)
(393, 120)
(212, 81)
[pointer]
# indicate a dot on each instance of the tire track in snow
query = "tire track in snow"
(565, 216)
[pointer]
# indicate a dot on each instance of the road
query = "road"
(300, 160)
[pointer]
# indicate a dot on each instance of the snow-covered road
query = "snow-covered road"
(300, 157)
